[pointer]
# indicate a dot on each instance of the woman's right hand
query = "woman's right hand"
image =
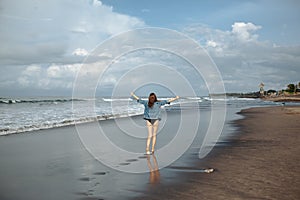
(132, 94)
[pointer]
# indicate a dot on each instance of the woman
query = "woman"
(152, 116)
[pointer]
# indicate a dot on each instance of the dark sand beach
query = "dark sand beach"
(262, 161)
(54, 163)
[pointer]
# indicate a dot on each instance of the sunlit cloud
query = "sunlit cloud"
(54, 31)
(244, 60)
(80, 52)
(243, 31)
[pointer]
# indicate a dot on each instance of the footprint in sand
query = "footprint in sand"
(142, 157)
(99, 173)
(124, 163)
(84, 179)
(131, 160)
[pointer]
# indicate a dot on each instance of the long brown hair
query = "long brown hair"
(151, 101)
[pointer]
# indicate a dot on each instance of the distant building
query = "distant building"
(261, 89)
(272, 93)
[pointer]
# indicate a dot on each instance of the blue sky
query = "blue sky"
(279, 18)
(44, 43)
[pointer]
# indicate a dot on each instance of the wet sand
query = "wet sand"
(262, 161)
(54, 163)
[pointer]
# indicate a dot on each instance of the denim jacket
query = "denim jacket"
(154, 111)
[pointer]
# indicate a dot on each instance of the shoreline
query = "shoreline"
(261, 161)
(289, 98)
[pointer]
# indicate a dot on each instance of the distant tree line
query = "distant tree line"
(293, 88)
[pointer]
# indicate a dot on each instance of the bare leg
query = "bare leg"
(155, 128)
(150, 129)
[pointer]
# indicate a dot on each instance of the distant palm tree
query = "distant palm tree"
(291, 88)
(297, 87)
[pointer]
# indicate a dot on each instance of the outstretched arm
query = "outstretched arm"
(173, 99)
(134, 96)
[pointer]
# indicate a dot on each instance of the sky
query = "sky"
(44, 44)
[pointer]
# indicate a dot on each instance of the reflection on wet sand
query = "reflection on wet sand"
(154, 177)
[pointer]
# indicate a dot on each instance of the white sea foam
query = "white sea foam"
(19, 115)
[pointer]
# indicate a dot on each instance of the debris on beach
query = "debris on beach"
(209, 170)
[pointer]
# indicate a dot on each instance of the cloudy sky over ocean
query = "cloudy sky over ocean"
(43, 43)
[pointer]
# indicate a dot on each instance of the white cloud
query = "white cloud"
(54, 71)
(218, 49)
(63, 71)
(32, 70)
(47, 78)
(49, 34)
(43, 32)
(97, 3)
(29, 38)
(106, 55)
(80, 52)
(29, 76)
(244, 61)
(211, 43)
(243, 31)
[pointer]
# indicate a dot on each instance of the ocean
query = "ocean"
(19, 115)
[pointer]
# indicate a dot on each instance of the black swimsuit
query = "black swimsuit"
(152, 121)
